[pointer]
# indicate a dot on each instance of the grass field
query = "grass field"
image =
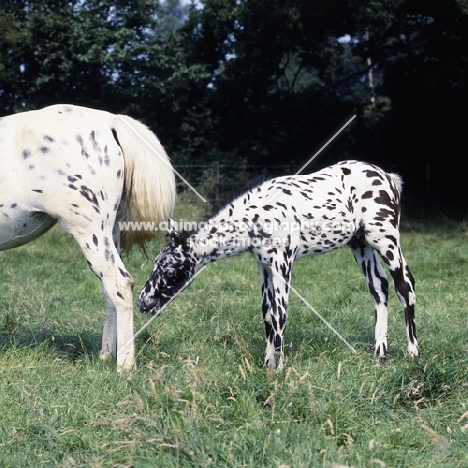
(201, 397)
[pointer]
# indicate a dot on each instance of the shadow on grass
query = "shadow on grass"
(70, 347)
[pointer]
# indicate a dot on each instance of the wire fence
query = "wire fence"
(219, 183)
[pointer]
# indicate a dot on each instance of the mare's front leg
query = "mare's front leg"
(275, 293)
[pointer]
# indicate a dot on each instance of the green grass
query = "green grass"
(201, 397)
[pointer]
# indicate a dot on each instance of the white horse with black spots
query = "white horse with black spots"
(89, 170)
(350, 203)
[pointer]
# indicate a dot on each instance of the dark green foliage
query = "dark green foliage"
(259, 84)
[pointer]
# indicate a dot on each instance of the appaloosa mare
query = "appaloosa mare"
(89, 170)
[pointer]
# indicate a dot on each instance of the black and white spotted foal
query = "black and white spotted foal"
(352, 202)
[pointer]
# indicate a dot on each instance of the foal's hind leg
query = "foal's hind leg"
(377, 283)
(404, 287)
(390, 251)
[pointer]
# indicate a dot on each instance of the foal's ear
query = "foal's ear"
(176, 238)
(171, 226)
(171, 230)
(185, 236)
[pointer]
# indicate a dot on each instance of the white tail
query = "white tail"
(398, 182)
(149, 193)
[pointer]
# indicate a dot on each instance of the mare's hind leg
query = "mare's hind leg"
(390, 251)
(377, 283)
(109, 334)
(104, 260)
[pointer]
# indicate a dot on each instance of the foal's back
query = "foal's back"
(322, 211)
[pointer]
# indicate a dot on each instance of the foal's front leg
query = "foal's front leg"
(275, 292)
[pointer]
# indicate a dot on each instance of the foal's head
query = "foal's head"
(172, 270)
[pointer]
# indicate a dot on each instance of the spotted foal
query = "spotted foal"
(350, 203)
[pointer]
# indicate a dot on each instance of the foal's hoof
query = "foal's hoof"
(275, 363)
(413, 350)
(380, 351)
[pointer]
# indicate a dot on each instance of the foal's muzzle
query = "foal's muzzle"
(152, 307)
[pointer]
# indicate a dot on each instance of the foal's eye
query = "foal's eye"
(170, 272)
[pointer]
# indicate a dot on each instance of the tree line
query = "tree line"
(259, 83)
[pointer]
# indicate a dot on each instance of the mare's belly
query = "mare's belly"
(22, 227)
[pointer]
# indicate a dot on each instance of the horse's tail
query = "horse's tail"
(149, 190)
(398, 182)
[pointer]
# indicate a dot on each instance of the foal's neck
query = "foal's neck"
(220, 237)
